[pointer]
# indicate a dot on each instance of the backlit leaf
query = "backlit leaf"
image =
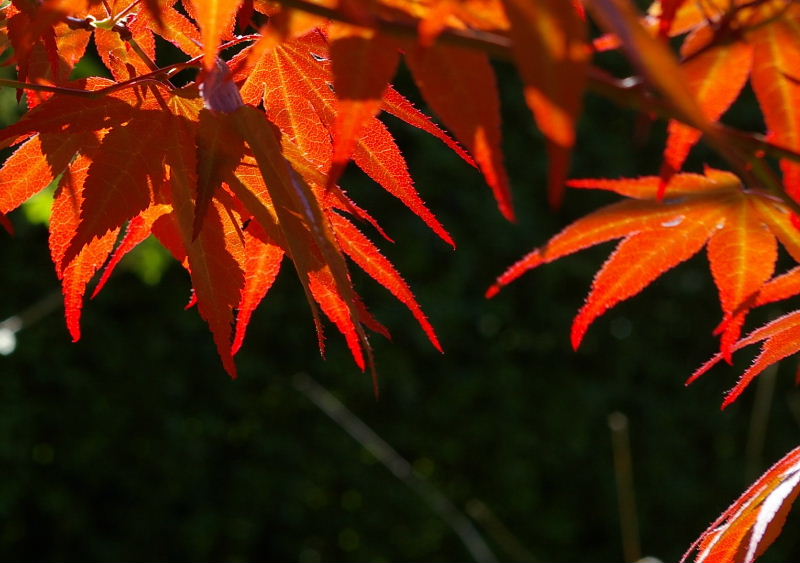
(745, 530)
(363, 63)
(215, 18)
(738, 225)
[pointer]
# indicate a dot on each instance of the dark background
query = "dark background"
(133, 444)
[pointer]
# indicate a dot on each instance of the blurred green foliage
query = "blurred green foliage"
(132, 444)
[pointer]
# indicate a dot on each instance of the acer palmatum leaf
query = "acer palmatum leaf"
(781, 338)
(688, 16)
(304, 227)
(215, 18)
(651, 57)
(293, 81)
(378, 155)
(460, 87)
(29, 27)
(120, 181)
(75, 272)
(740, 227)
(324, 289)
(361, 250)
(669, 10)
(436, 21)
(118, 57)
(219, 152)
(780, 287)
(138, 229)
(153, 161)
(363, 63)
(179, 31)
(551, 51)
(747, 528)
(716, 77)
(65, 114)
(32, 167)
(727, 45)
(776, 61)
(261, 267)
(216, 255)
(400, 107)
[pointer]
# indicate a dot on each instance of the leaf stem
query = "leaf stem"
(142, 55)
(399, 466)
(126, 11)
(154, 77)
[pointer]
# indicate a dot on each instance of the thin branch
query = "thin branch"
(127, 10)
(400, 467)
(626, 496)
(498, 531)
(759, 420)
(34, 313)
(15, 323)
(154, 77)
(143, 56)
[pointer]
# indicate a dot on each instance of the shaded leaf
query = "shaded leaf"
(716, 77)
(550, 49)
(447, 76)
(363, 63)
(215, 255)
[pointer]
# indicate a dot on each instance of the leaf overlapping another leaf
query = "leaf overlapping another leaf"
(293, 82)
(129, 176)
(726, 45)
(233, 182)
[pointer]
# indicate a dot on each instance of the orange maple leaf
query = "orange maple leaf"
(741, 228)
(727, 46)
(748, 527)
(214, 187)
(293, 82)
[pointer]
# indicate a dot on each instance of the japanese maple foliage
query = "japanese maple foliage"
(240, 169)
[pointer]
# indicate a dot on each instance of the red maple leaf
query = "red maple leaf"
(741, 228)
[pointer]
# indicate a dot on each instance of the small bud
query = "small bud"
(218, 91)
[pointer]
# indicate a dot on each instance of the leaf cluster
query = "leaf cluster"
(239, 171)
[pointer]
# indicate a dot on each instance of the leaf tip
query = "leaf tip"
(729, 399)
(703, 369)
(493, 290)
(192, 300)
(507, 209)
(8, 226)
(577, 334)
(74, 324)
(229, 365)
(435, 341)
